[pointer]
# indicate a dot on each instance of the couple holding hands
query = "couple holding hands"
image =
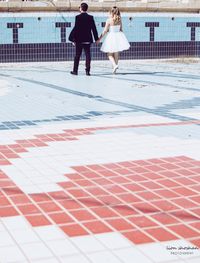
(85, 30)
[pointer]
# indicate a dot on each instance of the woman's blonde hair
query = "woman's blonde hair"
(115, 15)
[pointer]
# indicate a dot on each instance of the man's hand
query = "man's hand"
(98, 41)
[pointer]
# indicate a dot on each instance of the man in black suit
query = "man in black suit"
(82, 36)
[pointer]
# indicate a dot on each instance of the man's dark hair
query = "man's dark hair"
(84, 7)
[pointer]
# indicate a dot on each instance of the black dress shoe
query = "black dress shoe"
(87, 73)
(73, 72)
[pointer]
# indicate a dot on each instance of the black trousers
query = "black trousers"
(79, 48)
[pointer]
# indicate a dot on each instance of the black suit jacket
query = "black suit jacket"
(84, 29)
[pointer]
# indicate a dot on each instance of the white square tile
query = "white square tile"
(35, 251)
(22, 236)
(11, 254)
(48, 260)
(51, 232)
(129, 255)
(113, 240)
(103, 256)
(62, 247)
(6, 239)
(15, 222)
(74, 259)
(87, 244)
(192, 260)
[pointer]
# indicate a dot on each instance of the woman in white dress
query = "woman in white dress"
(115, 40)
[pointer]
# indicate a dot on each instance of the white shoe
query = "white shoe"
(115, 69)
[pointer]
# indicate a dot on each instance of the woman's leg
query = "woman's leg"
(116, 57)
(112, 60)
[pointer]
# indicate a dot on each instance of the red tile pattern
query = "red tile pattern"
(145, 200)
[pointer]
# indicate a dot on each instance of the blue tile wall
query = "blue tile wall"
(41, 37)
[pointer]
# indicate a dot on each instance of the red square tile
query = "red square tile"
(82, 215)
(129, 198)
(4, 201)
(138, 237)
(196, 199)
(40, 197)
(91, 175)
(78, 192)
(20, 199)
(97, 227)
(156, 161)
(184, 191)
(184, 158)
(96, 167)
(96, 191)
(89, 202)
(155, 168)
(139, 170)
(126, 164)
(112, 166)
(73, 230)
(184, 172)
(184, 231)
(165, 219)
(169, 174)
(28, 209)
(61, 218)
(145, 207)
(7, 211)
(196, 211)
(166, 194)
(70, 204)
(123, 171)
(115, 189)
(49, 207)
(104, 212)
(151, 185)
(120, 224)
(74, 176)
(103, 181)
(4, 162)
(109, 200)
(170, 166)
(38, 220)
(164, 205)
(85, 182)
(141, 162)
(119, 180)
(107, 173)
(148, 195)
(137, 178)
(142, 221)
(184, 203)
(6, 183)
(161, 234)
(153, 175)
(67, 185)
(134, 187)
(184, 215)
(59, 195)
(195, 225)
(168, 183)
(185, 181)
(196, 242)
(11, 191)
(125, 210)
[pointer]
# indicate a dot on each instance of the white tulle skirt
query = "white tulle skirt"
(115, 42)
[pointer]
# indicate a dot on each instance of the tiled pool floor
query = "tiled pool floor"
(103, 168)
